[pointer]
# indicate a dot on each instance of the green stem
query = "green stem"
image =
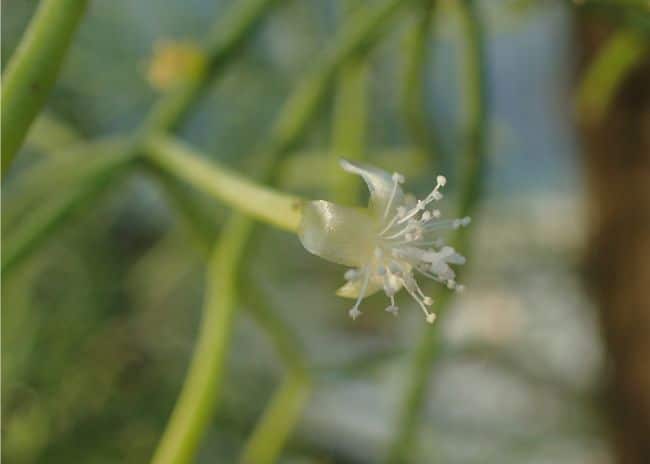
(169, 111)
(357, 34)
(268, 205)
(50, 135)
(349, 123)
(473, 161)
(305, 169)
(33, 69)
(99, 171)
(201, 388)
(413, 98)
(622, 52)
(281, 415)
(349, 128)
(278, 420)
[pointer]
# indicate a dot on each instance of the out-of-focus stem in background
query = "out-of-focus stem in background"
(200, 392)
(421, 129)
(349, 120)
(33, 69)
(602, 79)
(471, 164)
(285, 408)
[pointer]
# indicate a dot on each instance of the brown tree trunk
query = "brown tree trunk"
(616, 153)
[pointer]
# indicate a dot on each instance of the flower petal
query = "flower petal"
(351, 289)
(337, 233)
(380, 184)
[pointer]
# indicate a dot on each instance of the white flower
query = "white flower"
(385, 244)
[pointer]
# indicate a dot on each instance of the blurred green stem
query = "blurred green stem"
(349, 122)
(280, 416)
(33, 69)
(282, 413)
(230, 32)
(472, 166)
(413, 97)
(277, 422)
(621, 53)
(194, 408)
(87, 179)
(266, 204)
(349, 128)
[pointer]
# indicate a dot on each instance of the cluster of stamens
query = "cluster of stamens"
(406, 243)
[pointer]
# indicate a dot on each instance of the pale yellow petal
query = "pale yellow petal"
(337, 233)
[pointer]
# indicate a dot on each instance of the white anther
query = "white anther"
(435, 213)
(351, 274)
(354, 313)
(442, 180)
(426, 216)
(397, 177)
(431, 318)
(394, 310)
(427, 300)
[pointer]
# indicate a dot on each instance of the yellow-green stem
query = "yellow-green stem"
(274, 428)
(349, 122)
(622, 52)
(33, 69)
(199, 395)
(413, 96)
(277, 422)
(349, 128)
(263, 203)
(87, 179)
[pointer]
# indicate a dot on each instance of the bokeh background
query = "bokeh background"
(99, 324)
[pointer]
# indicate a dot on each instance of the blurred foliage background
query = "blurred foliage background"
(98, 324)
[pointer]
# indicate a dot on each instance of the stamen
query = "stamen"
(444, 224)
(406, 228)
(463, 222)
(390, 224)
(397, 179)
(413, 212)
(354, 312)
(431, 317)
(393, 308)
